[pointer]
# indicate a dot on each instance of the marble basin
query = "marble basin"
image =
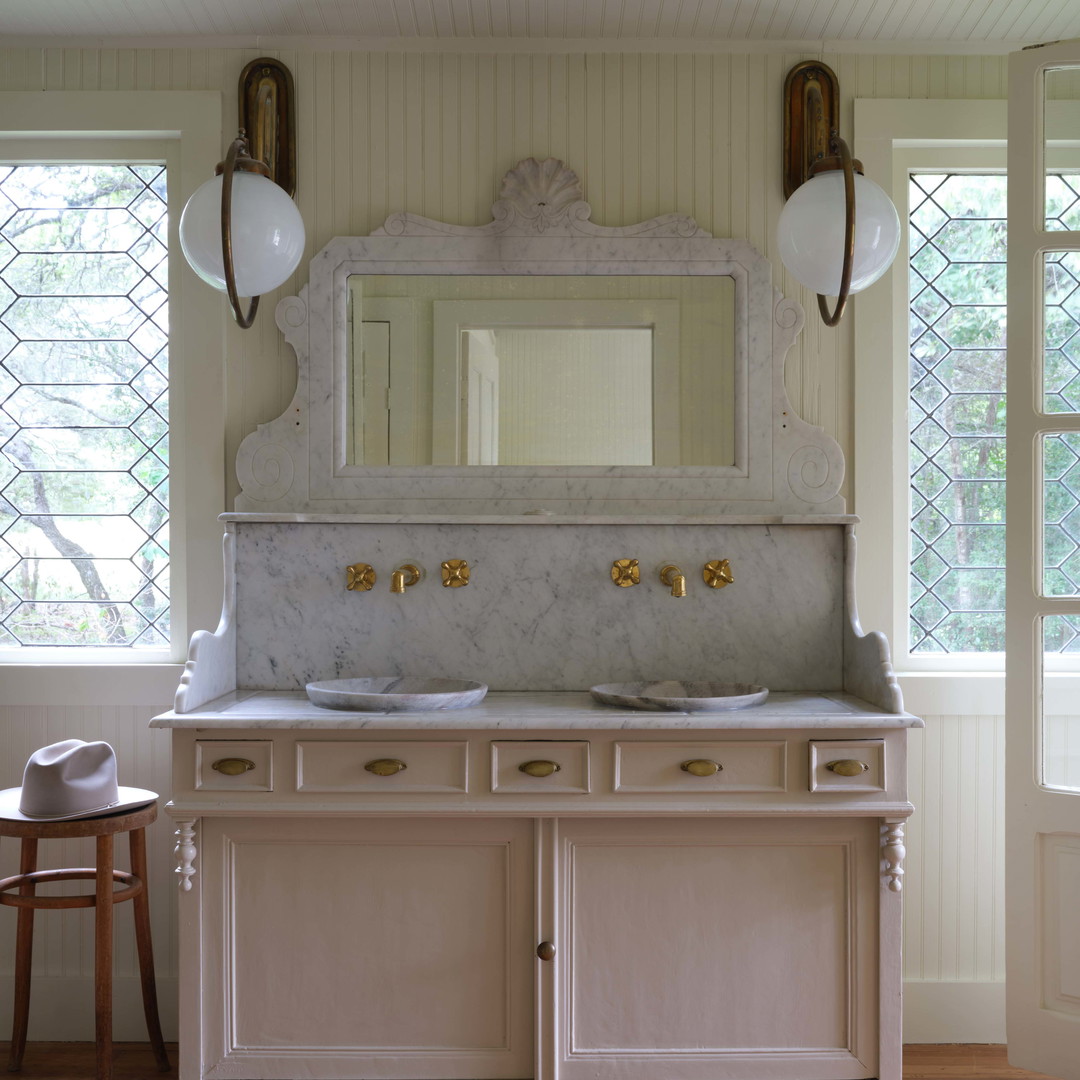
(681, 696)
(396, 693)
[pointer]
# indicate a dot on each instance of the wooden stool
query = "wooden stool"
(105, 828)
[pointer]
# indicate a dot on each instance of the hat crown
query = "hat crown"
(68, 778)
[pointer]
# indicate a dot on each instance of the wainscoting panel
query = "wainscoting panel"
(954, 887)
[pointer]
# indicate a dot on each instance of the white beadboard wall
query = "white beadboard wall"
(650, 133)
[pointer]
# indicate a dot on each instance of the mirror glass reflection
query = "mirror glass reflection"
(541, 370)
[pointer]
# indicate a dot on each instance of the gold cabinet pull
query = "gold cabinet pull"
(539, 768)
(233, 766)
(701, 767)
(545, 950)
(385, 766)
(848, 767)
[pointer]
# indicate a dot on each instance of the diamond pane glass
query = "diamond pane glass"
(83, 406)
(1060, 764)
(1061, 514)
(957, 414)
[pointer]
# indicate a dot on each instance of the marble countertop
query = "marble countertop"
(290, 709)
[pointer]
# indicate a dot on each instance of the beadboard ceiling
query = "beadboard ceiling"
(966, 24)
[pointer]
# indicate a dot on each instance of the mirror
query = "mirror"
(541, 370)
(466, 389)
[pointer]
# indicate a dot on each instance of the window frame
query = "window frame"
(894, 137)
(99, 126)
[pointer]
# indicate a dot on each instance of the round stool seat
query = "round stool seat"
(20, 891)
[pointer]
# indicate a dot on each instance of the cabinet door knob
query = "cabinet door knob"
(848, 767)
(545, 950)
(701, 767)
(540, 768)
(233, 766)
(385, 766)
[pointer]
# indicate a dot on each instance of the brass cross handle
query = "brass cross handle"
(717, 573)
(359, 577)
(848, 767)
(625, 572)
(233, 766)
(455, 573)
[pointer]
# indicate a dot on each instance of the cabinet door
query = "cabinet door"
(698, 949)
(376, 948)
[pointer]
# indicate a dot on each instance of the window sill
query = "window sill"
(980, 693)
(114, 683)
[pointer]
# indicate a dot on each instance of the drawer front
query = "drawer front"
(658, 767)
(243, 765)
(843, 755)
(343, 766)
(570, 778)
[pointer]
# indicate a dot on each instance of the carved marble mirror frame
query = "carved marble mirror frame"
(541, 225)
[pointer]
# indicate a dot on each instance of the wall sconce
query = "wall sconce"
(838, 231)
(241, 231)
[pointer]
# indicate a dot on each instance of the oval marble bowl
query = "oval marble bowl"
(681, 696)
(396, 693)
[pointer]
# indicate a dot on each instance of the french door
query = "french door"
(1043, 558)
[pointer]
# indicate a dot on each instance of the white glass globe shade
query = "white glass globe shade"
(810, 233)
(267, 234)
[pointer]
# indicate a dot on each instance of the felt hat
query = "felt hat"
(68, 780)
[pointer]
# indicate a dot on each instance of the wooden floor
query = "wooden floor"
(133, 1061)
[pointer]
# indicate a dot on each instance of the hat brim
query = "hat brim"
(130, 797)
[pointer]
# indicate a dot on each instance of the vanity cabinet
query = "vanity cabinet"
(619, 917)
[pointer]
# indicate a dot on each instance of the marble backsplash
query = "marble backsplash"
(541, 612)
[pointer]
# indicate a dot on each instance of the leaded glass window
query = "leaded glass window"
(83, 406)
(957, 413)
(957, 226)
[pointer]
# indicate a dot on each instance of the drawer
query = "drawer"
(570, 778)
(253, 757)
(658, 766)
(868, 752)
(342, 766)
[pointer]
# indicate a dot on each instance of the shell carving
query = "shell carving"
(541, 191)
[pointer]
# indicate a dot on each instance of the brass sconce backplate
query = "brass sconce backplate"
(808, 123)
(268, 116)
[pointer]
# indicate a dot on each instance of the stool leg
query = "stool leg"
(144, 943)
(103, 956)
(24, 942)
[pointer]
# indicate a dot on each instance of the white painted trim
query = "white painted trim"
(102, 685)
(191, 122)
(954, 1012)
(740, 46)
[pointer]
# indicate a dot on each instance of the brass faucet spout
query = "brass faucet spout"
(675, 579)
(404, 576)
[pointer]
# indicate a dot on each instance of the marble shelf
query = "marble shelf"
(290, 709)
